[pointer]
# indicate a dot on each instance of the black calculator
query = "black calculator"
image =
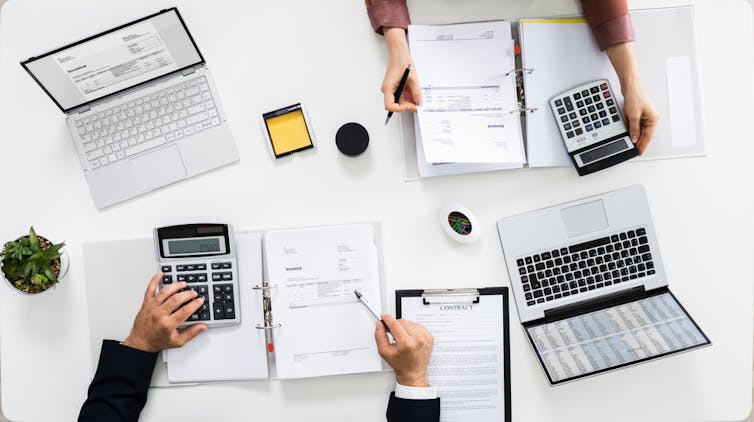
(204, 256)
(592, 127)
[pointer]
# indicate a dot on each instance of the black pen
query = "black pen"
(399, 91)
(374, 313)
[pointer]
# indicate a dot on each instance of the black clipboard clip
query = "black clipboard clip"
(454, 296)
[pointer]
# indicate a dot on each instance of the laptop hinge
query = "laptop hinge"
(84, 109)
(188, 71)
(602, 302)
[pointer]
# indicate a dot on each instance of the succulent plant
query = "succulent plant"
(31, 263)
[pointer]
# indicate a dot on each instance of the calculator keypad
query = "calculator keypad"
(223, 303)
(594, 118)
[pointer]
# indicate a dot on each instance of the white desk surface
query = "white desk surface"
(270, 54)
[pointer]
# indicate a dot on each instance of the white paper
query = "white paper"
(681, 102)
(324, 329)
(467, 358)
(562, 56)
(237, 352)
(426, 169)
(467, 98)
(113, 61)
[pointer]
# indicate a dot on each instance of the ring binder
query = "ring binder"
(429, 295)
(268, 327)
(265, 288)
(521, 70)
(524, 110)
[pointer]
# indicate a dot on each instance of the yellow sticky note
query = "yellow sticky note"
(288, 132)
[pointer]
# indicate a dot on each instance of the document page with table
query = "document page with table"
(324, 329)
(469, 363)
(469, 102)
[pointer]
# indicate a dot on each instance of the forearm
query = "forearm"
(623, 58)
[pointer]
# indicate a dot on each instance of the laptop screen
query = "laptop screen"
(614, 337)
(115, 60)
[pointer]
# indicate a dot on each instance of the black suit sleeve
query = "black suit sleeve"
(403, 410)
(118, 391)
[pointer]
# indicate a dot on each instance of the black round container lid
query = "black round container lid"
(352, 139)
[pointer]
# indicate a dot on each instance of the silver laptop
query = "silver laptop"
(590, 286)
(141, 104)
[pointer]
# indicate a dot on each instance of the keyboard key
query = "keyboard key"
(567, 126)
(579, 131)
(520, 262)
(167, 279)
(166, 268)
(597, 125)
(226, 265)
(605, 122)
(569, 134)
(577, 96)
(559, 103)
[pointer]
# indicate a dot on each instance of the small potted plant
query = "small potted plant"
(32, 264)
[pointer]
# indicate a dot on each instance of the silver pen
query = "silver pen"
(369, 307)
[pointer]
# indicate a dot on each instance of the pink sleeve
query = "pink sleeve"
(388, 13)
(609, 20)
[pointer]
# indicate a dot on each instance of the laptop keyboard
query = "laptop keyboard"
(148, 122)
(579, 268)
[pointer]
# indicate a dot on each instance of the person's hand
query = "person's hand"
(399, 59)
(156, 325)
(641, 115)
(409, 355)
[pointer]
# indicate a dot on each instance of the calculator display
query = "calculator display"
(195, 246)
(603, 151)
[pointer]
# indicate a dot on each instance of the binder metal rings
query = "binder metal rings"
(522, 70)
(265, 288)
(268, 327)
(524, 110)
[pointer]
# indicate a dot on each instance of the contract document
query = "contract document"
(324, 329)
(468, 363)
(469, 111)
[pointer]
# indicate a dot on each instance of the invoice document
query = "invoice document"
(324, 329)
(469, 110)
(467, 362)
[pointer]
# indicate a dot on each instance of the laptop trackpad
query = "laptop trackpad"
(584, 218)
(157, 169)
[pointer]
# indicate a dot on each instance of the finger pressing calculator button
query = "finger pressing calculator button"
(204, 307)
(167, 268)
(216, 266)
(201, 277)
(167, 279)
(180, 268)
(181, 277)
(201, 267)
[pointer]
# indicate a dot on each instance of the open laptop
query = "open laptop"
(590, 286)
(142, 108)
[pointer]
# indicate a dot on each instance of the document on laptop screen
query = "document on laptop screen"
(614, 337)
(112, 62)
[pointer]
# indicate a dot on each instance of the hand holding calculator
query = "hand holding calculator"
(204, 256)
(592, 127)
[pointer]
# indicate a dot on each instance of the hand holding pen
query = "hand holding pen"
(408, 97)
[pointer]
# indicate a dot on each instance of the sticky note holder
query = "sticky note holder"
(288, 130)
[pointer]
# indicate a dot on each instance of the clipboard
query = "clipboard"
(468, 297)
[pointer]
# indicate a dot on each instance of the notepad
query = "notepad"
(287, 130)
